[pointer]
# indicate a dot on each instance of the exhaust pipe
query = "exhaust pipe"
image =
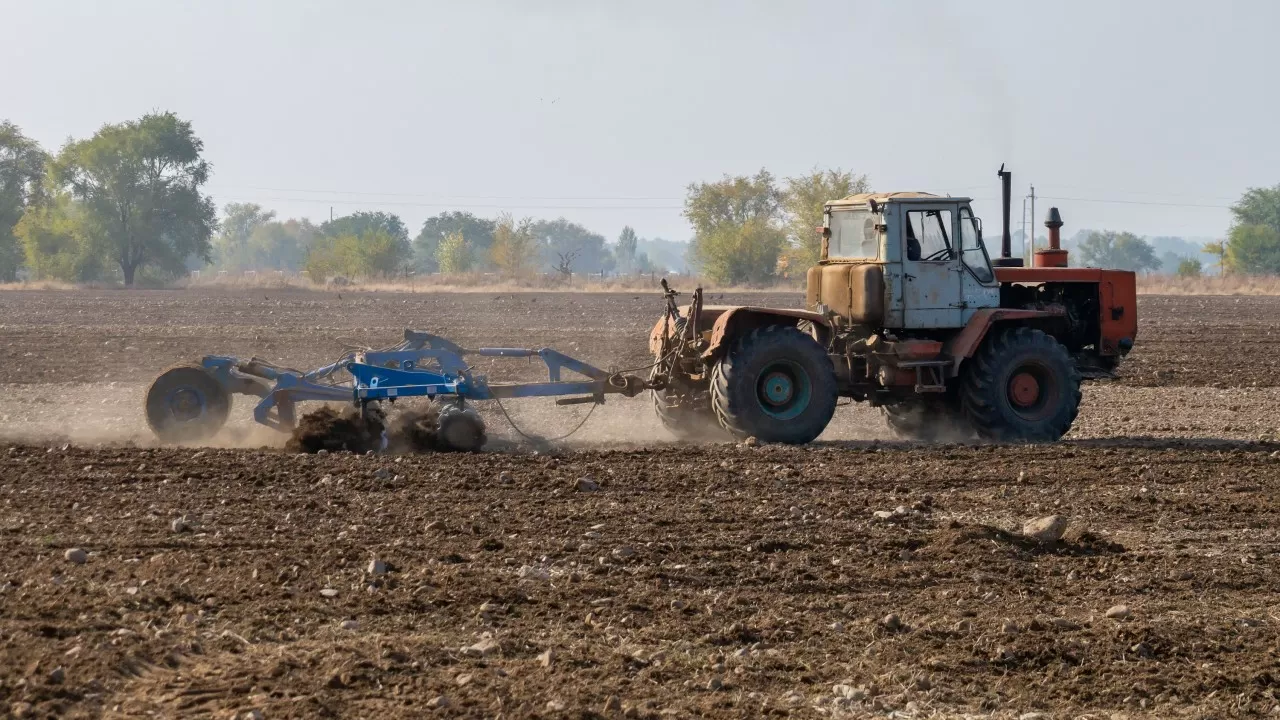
(1006, 258)
(1054, 255)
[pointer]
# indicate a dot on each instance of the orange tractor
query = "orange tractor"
(906, 311)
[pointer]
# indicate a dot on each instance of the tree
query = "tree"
(453, 254)
(803, 201)
(1217, 248)
(561, 237)
(514, 248)
(1189, 268)
(359, 223)
(22, 168)
(375, 253)
(1122, 251)
(1258, 206)
(625, 251)
(737, 236)
(478, 232)
(1253, 249)
(56, 243)
(735, 254)
(139, 187)
(282, 245)
(232, 248)
(732, 201)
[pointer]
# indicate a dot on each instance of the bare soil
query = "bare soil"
(713, 580)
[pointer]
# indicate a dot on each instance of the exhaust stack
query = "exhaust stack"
(1006, 258)
(1054, 255)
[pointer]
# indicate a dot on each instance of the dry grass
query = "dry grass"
(1209, 285)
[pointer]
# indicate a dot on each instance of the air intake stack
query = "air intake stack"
(1054, 255)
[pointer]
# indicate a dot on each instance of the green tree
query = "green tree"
(454, 254)
(515, 248)
(359, 223)
(22, 168)
(282, 245)
(1217, 248)
(1258, 206)
(139, 186)
(1121, 251)
(374, 254)
(56, 242)
(746, 253)
(803, 200)
(625, 251)
(478, 232)
(1253, 249)
(232, 248)
(559, 238)
(737, 233)
(1190, 268)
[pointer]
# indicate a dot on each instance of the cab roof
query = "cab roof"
(886, 197)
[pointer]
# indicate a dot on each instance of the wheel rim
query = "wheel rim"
(186, 404)
(1032, 391)
(784, 390)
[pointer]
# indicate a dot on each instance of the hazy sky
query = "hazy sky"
(603, 112)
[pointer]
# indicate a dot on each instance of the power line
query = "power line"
(451, 197)
(330, 201)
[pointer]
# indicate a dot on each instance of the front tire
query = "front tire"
(775, 384)
(186, 404)
(1021, 386)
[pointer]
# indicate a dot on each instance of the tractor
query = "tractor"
(906, 310)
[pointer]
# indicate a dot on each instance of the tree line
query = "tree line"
(129, 203)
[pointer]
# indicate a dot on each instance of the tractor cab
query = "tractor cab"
(902, 260)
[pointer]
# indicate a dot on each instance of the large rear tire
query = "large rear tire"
(775, 384)
(186, 404)
(1021, 386)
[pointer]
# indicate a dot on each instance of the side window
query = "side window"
(972, 251)
(928, 235)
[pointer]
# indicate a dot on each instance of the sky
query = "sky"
(1146, 116)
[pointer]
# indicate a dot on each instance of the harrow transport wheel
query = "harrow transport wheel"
(1021, 386)
(187, 404)
(681, 419)
(927, 420)
(461, 429)
(775, 384)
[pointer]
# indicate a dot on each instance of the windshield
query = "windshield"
(854, 235)
(972, 250)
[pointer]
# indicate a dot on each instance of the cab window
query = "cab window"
(853, 235)
(928, 235)
(972, 251)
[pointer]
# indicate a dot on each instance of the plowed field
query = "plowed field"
(855, 577)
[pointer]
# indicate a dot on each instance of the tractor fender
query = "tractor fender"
(733, 322)
(966, 342)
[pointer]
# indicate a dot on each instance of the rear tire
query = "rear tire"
(187, 404)
(1021, 386)
(775, 384)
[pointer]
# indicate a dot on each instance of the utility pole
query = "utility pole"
(330, 213)
(1033, 221)
(1024, 227)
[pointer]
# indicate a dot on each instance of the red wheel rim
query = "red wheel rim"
(1024, 389)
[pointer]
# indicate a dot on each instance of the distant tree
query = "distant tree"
(57, 243)
(22, 168)
(745, 254)
(374, 254)
(478, 232)
(625, 251)
(1121, 251)
(1253, 249)
(359, 223)
(231, 247)
(1218, 249)
(139, 184)
(454, 254)
(282, 245)
(1258, 206)
(514, 249)
(803, 200)
(737, 234)
(1190, 268)
(561, 237)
